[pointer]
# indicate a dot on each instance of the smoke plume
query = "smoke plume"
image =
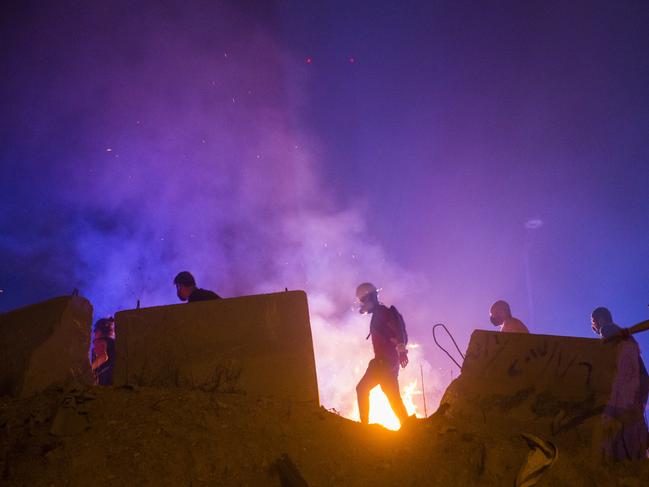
(163, 138)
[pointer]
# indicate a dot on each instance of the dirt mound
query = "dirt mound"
(194, 431)
(149, 436)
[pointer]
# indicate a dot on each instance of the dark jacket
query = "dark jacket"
(104, 373)
(202, 295)
(385, 335)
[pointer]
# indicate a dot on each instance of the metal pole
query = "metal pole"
(528, 276)
(531, 226)
(423, 390)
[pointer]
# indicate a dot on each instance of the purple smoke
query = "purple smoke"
(169, 139)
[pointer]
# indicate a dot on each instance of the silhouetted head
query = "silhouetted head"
(499, 312)
(368, 297)
(600, 317)
(185, 285)
(104, 327)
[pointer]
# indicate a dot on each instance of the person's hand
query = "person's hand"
(403, 354)
(403, 358)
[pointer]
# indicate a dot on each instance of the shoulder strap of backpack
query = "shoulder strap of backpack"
(384, 328)
(401, 332)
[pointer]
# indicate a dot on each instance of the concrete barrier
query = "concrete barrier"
(43, 344)
(254, 344)
(556, 387)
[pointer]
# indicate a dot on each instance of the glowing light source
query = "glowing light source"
(308, 60)
(533, 223)
(381, 412)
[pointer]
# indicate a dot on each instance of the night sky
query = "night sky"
(264, 145)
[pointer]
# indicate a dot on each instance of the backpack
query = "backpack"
(400, 332)
(401, 325)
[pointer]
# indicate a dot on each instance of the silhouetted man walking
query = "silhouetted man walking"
(389, 343)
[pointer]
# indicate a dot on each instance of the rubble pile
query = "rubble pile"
(524, 407)
(154, 436)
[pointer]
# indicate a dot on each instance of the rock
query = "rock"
(69, 422)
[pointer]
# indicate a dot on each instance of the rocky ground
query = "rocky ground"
(147, 436)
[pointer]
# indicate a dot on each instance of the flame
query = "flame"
(380, 410)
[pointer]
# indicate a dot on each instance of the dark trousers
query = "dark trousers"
(386, 375)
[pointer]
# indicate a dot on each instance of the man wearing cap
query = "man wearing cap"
(388, 341)
(187, 291)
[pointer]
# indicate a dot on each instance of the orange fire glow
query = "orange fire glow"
(380, 410)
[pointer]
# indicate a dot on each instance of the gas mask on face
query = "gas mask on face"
(366, 296)
(495, 320)
(597, 330)
(365, 304)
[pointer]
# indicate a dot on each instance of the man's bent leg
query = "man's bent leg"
(365, 385)
(390, 386)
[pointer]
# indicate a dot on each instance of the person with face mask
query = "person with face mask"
(601, 322)
(500, 315)
(388, 342)
(624, 420)
(186, 289)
